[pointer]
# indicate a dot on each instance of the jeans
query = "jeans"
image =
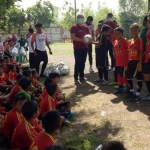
(90, 54)
(111, 54)
(80, 59)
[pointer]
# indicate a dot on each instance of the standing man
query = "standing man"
(91, 30)
(78, 31)
(41, 41)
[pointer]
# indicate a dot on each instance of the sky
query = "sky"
(113, 4)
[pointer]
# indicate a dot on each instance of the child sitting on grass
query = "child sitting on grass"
(13, 117)
(51, 122)
(28, 129)
(12, 72)
(35, 76)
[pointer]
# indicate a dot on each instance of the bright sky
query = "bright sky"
(113, 4)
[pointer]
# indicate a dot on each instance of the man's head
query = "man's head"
(89, 20)
(134, 30)
(18, 102)
(109, 17)
(51, 122)
(30, 110)
(80, 19)
(30, 31)
(47, 81)
(119, 33)
(27, 73)
(54, 76)
(38, 27)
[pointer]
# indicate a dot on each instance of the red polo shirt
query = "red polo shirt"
(80, 32)
(111, 24)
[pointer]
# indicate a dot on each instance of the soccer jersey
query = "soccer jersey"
(134, 49)
(12, 76)
(3, 79)
(42, 97)
(24, 134)
(15, 90)
(28, 96)
(120, 52)
(47, 104)
(42, 141)
(10, 122)
(5, 68)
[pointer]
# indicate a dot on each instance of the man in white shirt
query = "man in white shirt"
(91, 29)
(41, 41)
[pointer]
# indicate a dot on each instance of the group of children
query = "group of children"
(132, 58)
(31, 113)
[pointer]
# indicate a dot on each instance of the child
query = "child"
(15, 89)
(56, 146)
(13, 117)
(134, 63)
(3, 62)
(121, 57)
(101, 54)
(5, 83)
(51, 122)
(27, 73)
(114, 145)
(25, 84)
(28, 128)
(146, 64)
(12, 74)
(35, 76)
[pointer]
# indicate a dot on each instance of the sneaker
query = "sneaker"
(135, 98)
(98, 80)
(105, 83)
(71, 115)
(67, 122)
(146, 98)
(113, 83)
(119, 91)
(91, 70)
(83, 79)
(76, 81)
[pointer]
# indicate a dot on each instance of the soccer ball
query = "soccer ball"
(87, 38)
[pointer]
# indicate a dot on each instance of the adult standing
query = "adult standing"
(78, 31)
(41, 41)
(90, 25)
(31, 53)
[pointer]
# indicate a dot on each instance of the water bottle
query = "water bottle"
(99, 147)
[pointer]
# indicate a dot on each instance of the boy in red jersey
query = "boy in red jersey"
(135, 63)
(51, 122)
(15, 89)
(13, 117)
(28, 128)
(121, 57)
(146, 64)
(35, 76)
(12, 72)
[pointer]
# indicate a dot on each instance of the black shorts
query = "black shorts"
(121, 71)
(132, 70)
(146, 68)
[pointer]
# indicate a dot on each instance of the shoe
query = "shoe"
(146, 98)
(113, 83)
(67, 122)
(76, 81)
(116, 87)
(91, 70)
(83, 79)
(119, 91)
(98, 80)
(71, 115)
(105, 83)
(135, 98)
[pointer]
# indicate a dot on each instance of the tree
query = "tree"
(41, 13)
(131, 11)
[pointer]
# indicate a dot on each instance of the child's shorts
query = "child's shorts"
(65, 104)
(132, 70)
(146, 68)
(121, 70)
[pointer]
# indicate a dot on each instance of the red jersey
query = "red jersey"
(3, 79)
(12, 76)
(134, 49)
(10, 122)
(48, 104)
(147, 47)
(24, 134)
(42, 141)
(80, 32)
(35, 83)
(111, 24)
(42, 97)
(5, 68)
(15, 90)
(120, 52)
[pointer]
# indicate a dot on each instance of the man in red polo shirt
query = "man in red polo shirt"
(78, 31)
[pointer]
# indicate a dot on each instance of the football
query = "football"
(87, 38)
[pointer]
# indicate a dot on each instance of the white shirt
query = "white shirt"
(40, 41)
(29, 43)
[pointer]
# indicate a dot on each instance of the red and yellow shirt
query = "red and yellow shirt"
(35, 83)
(134, 49)
(42, 141)
(12, 76)
(10, 122)
(47, 104)
(3, 79)
(42, 97)
(147, 47)
(120, 52)
(25, 134)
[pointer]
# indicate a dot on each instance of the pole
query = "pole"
(75, 8)
(148, 5)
